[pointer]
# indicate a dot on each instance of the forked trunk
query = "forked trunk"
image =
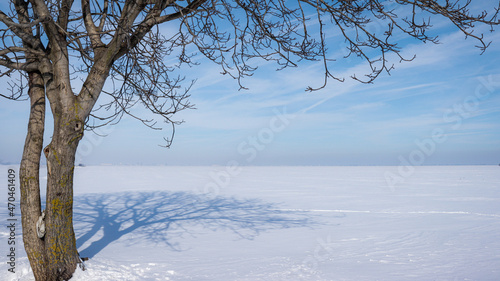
(53, 256)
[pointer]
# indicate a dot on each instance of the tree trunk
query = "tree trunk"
(29, 177)
(53, 257)
(60, 242)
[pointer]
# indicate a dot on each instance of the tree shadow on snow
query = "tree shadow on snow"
(160, 216)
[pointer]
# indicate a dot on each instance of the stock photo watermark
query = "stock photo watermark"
(323, 251)
(12, 223)
(91, 141)
(249, 149)
(454, 117)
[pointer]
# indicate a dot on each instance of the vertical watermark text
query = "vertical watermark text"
(11, 220)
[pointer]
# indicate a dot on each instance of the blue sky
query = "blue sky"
(441, 108)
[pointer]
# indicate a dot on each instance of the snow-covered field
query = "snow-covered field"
(280, 223)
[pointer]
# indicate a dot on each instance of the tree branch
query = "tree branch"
(28, 66)
(19, 29)
(52, 29)
(154, 18)
(64, 12)
(9, 50)
(92, 31)
(11, 24)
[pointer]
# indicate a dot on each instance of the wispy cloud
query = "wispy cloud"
(384, 118)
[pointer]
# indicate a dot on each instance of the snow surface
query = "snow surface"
(281, 223)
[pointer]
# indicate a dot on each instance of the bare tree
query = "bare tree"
(65, 52)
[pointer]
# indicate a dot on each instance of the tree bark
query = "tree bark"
(30, 178)
(55, 256)
(60, 242)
